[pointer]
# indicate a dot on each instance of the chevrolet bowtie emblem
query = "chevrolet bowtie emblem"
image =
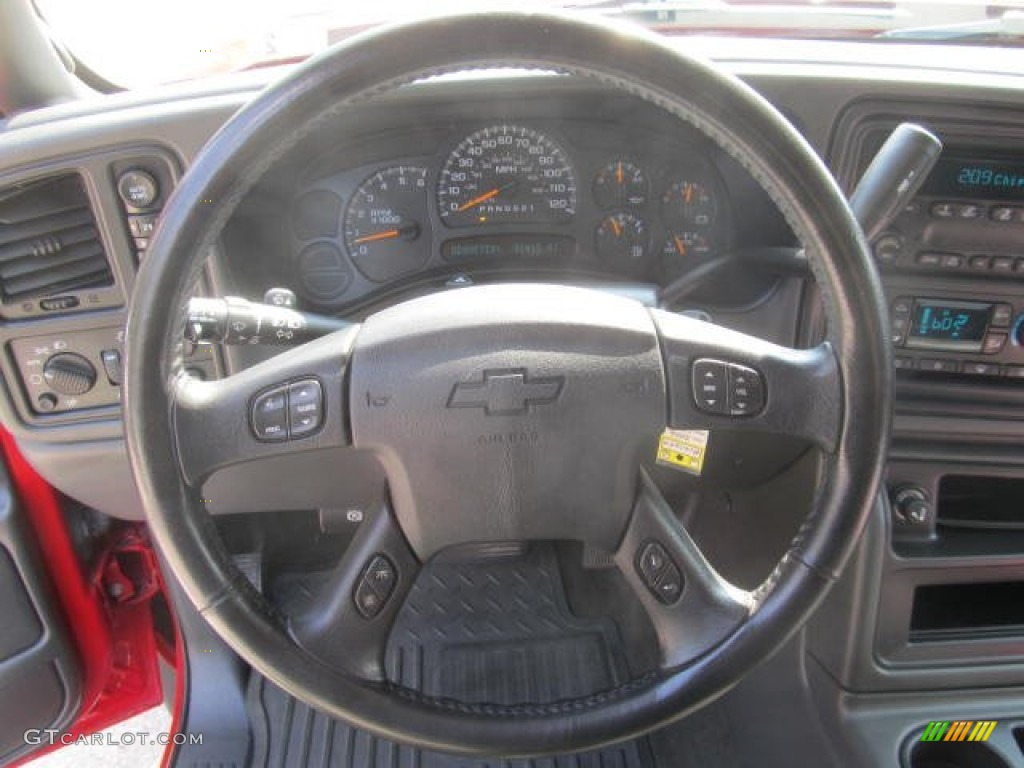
(505, 392)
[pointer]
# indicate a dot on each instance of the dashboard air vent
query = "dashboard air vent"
(49, 244)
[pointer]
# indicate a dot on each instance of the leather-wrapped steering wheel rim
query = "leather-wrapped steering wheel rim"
(719, 105)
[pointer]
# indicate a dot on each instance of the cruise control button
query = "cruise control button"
(375, 586)
(306, 407)
(709, 386)
(367, 601)
(270, 415)
(746, 391)
(381, 576)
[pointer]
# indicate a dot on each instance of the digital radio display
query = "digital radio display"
(976, 178)
(952, 325)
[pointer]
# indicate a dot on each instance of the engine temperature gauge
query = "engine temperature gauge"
(621, 239)
(687, 244)
(620, 184)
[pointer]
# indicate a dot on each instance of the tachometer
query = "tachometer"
(384, 222)
(506, 174)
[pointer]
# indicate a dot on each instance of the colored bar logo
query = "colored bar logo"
(959, 730)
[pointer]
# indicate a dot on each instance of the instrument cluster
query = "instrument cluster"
(510, 195)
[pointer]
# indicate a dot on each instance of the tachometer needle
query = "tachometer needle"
(484, 197)
(408, 231)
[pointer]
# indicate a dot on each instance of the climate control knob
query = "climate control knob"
(69, 374)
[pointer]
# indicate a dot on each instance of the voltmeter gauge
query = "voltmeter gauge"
(621, 239)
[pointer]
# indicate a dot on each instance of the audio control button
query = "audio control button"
(993, 343)
(938, 365)
(1002, 314)
(980, 262)
(1002, 264)
(976, 368)
(1014, 371)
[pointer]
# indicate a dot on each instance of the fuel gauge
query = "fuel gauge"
(620, 184)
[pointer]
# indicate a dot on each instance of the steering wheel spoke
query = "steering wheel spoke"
(720, 378)
(292, 403)
(691, 606)
(348, 621)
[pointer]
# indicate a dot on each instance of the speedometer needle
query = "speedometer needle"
(484, 197)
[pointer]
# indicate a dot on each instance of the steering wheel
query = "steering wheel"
(476, 403)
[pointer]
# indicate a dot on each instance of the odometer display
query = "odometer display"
(506, 174)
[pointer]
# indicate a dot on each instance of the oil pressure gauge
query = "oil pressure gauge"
(620, 184)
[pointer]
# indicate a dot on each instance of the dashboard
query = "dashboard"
(511, 177)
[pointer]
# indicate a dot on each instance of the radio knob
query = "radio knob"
(69, 374)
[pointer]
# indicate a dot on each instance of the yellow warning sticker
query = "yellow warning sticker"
(683, 449)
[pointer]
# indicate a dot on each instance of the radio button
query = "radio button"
(902, 306)
(970, 211)
(903, 363)
(993, 343)
(1002, 264)
(943, 210)
(929, 259)
(981, 369)
(980, 262)
(1002, 315)
(938, 365)
(1003, 213)
(1018, 266)
(1014, 371)
(952, 261)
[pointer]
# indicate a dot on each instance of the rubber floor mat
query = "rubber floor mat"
(491, 630)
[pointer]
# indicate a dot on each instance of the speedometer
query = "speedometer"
(506, 174)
